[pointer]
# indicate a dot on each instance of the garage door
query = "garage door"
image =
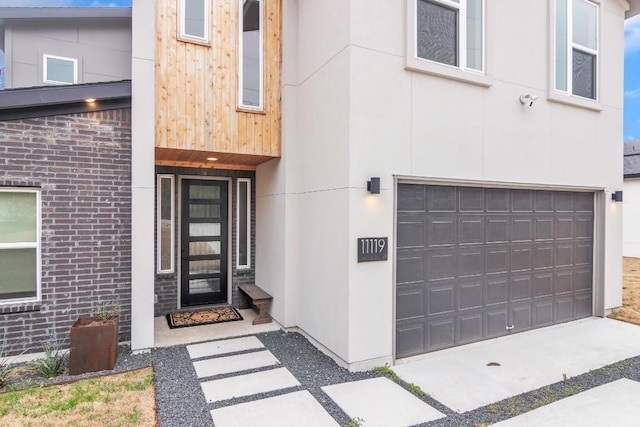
(477, 263)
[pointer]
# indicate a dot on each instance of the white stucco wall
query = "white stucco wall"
(631, 218)
(360, 113)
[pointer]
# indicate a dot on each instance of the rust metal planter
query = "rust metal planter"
(94, 345)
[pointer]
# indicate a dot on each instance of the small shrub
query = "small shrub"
(354, 422)
(107, 311)
(52, 365)
(5, 371)
(415, 389)
(387, 372)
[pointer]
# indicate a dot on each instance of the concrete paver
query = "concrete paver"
(288, 410)
(613, 404)
(248, 384)
(460, 378)
(237, 363)
(379, 402)
(216, 348)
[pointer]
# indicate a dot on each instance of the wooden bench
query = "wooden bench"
(259, 299)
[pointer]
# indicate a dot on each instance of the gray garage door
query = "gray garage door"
(478, 263)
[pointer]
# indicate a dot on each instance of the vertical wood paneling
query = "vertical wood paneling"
(197, 85)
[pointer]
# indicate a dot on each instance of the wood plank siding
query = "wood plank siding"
(197, 108)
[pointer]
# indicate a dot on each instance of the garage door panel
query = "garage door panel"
(410, 270)
(410, 338)
(583, 305)
(542, 284)
(497, 200)
(543, 256)
(521, 201)
(522, 229)
(498, 229)
(543, 229)
(521, 317)
(441, 333)
(441, 299)
(470, 295)
(563, 309)
(470, 328)
(442, 199)
(521, 258)
(496, 322)
(542, 312)
(411, 198)
(472, 262)
(411, 234)
(497, 290)
(471, 230)
(410, 303)
(521, 287)
(441, 231)
(498, 259)
(441, 264)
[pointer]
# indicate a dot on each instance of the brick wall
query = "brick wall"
(166, 285)
(82, 164)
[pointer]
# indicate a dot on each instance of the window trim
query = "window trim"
(241, 105)
(567, 97)
(183, 36)
(45, 67)
(25, 245)
(172, 242)
(414, 63)
(248, 230)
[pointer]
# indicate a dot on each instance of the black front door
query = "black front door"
(203, 246)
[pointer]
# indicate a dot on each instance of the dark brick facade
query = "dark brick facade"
(82, 165)
(166, 285)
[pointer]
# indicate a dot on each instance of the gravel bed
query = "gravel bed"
(180, 401)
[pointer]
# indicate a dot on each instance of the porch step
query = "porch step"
(231, 364)
(248, 384)
(216, 348)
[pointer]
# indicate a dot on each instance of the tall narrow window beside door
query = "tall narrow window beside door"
(165, 222)
(243, 253)
(251, 54)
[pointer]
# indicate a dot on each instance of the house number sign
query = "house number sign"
(372, 249)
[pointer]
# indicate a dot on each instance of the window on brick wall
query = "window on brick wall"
(243, 232)
(19, 244)
(165, 223)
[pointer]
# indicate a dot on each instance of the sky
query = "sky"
(631, 57)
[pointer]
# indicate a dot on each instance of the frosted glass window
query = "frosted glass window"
(204, 229)
(451, 32)
(194, 20)
(561, 45)
(251, 53)
(60, 70)
(166, 230)
(244, 223)
(19, 244)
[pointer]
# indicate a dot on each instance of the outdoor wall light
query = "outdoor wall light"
(527, 99)
(373, 186)
(616, 196)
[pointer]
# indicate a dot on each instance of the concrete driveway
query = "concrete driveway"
(475, 375)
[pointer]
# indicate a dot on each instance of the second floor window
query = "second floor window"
(59, 70)
(194, 20)
(450, 32)
(250, 56)
(576, 47)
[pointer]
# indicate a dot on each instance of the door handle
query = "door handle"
(510, 327)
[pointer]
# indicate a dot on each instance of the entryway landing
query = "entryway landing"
(165, 337)
(468, 377)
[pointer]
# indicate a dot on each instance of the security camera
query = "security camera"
(527, 99)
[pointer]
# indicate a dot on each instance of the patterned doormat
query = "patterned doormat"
(184, 319)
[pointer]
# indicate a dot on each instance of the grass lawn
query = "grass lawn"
(124, 399)
(630, 310)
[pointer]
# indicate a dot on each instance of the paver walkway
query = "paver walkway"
(222, 369)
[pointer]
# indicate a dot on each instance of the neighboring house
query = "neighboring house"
(631, 215)
(53, 46)
(257, 125)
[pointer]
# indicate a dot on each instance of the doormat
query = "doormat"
(184, 319)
